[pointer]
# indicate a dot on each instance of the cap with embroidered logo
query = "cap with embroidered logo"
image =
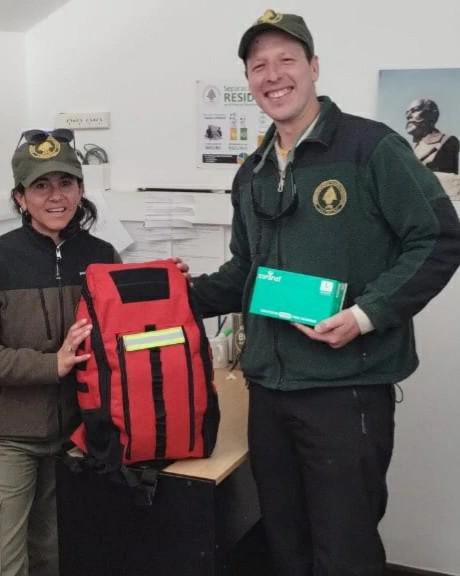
(30, 161)
(290, 24)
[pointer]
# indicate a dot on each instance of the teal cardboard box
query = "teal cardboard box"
(296, 297)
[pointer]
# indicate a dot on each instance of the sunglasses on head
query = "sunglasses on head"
(38, 136)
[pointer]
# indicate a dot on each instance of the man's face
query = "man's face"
(281, 79)
(417, 122)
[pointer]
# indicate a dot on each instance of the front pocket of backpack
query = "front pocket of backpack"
(159, 345)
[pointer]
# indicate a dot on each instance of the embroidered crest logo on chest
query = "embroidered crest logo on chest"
(330, 197)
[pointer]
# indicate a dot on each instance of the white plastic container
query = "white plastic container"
(219, 347)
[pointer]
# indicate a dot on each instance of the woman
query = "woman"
(42, 264)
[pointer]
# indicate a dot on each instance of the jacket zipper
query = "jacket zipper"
(281, 181)
(125, 395)
(276, 326)
(61, 295)
(279, 264)
(62, 326)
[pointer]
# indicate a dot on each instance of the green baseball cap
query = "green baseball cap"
(30, 161)
(291, 24)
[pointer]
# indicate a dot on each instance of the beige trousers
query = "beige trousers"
(28, 529)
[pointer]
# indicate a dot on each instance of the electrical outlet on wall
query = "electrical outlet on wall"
(83, 120)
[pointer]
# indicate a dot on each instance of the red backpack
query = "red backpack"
(146, 393)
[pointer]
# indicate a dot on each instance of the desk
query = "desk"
(202, 508)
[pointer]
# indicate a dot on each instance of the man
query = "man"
(336, 196)
(436, 150)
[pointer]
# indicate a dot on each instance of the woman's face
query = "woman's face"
(51, 201)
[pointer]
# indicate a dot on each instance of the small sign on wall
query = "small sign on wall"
(83, 120)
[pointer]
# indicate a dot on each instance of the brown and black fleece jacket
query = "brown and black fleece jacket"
(39, 288)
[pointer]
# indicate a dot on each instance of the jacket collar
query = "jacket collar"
(326, 126)
(42, 239)
(37, 237)
(322, 133)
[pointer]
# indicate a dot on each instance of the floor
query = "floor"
(251, 558)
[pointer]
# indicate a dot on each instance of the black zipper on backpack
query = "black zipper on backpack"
(124, 392)
(97, 345)
(211, 396)
(191, 393)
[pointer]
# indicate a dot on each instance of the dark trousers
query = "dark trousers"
(319, 458)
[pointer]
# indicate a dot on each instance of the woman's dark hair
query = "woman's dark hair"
(84, 217)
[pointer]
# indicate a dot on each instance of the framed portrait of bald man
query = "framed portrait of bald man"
(422, 105)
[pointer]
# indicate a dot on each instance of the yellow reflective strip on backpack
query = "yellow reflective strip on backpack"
(153, 339)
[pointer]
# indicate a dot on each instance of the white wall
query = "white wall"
(422, 526)
(142, 65)
(12, 101)
(140, 61)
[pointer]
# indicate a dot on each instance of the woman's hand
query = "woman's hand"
(66, 356)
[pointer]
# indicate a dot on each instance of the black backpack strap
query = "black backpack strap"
(143, 485)
(141, 479)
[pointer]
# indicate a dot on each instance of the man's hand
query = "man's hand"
(182, 267)
(66, 357)
(337, 331)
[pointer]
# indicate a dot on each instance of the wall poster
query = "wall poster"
(230, 124)
(422, 105)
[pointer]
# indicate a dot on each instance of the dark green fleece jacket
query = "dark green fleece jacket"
(359, 207)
